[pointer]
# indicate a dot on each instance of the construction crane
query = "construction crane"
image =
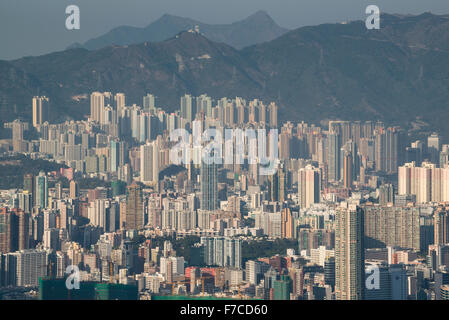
(202, 286)
(202, 282)
(185, 282)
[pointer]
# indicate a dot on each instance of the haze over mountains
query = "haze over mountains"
(332, 71)
(257, 28)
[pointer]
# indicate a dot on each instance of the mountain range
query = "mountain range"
(398, 74)
(257, 28)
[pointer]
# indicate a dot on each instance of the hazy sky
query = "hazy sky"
(33, 27)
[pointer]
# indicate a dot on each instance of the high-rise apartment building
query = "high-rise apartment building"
(209, 186)
(28, 185)
(273, 115)
(221, 251)
(188, 108)
(119, 99)
(149, 103)
(434, 147)
(287, 224)
(441, 225)
(386, 194)
(41, 190)
(349, 253)
(30, 266)
(14, 230)
(114, 155)
(74, 189)
(134, 208)
(309, 181)
(428, 183)
(23, 229)
(18, 127)
(347, 170)
(41, 110)
(255, 270)
(8, 234)
(333, 157)
(149, 163)
(386, 225)
(387, 148)
(98, 101)
(277, 185)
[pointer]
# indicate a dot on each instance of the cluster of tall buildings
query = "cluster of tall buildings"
(428, 182)
(348, 202)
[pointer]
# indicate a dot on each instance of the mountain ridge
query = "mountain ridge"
(256, 28)
(398, 74)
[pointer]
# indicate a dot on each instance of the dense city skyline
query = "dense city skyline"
(334, 193)
(231, 160)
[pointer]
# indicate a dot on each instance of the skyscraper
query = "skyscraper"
(433, 147)
(285, 141)
(209, 186)
(149, 103)
(74, 189)
(277, 184)
(386, 194)
(349, 253)
(30, 266)
(119, 102)
(204, 104)
(380, 146)
(28, 185)
(8, 234)
(134, 208)
(14, 230)
(441, 225)
(23, 230)
(18, 127)
(41, 190)
(287, 224)
(58, 190)
(40, 110)
(229, 114)
(329, 271)
(393, 155)
(347, 170)
(149, 163)
(427, 183)
(98, 101)
(273, 187)
(387, 142)
(222, 251)
(273, 113)
(25, 201)
(188, 109)
(114, 155)
(393, 226)
(333, 157)
(309, 179)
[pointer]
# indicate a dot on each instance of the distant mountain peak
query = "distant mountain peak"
(320, 72)
(166, 15)
(257, 28)
(170, 17)
(261, 14)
